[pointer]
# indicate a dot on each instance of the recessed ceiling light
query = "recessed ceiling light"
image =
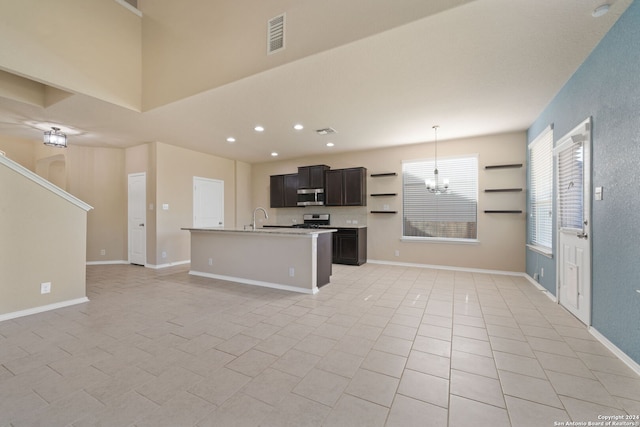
(259, 128)
(274, 154)
(330, 144)
(298, 126)
(231, 140)
(600, 10)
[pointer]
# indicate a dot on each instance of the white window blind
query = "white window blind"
(450, 215)
(570, 186)
(540, 226)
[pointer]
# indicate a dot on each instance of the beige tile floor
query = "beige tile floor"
(380, 345)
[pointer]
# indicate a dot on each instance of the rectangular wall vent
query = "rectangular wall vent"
(275, 34)
(325, 131)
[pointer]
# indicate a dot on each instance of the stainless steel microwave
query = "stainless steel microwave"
(311, 197)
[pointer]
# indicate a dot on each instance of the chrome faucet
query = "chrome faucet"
(253, 225)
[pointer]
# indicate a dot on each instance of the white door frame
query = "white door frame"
(574, 251)
(137, 221)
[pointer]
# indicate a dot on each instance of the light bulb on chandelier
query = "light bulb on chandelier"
(434, 186)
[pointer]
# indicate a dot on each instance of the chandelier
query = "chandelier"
(55, 138)
(434, 186)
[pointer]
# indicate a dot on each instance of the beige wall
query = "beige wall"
(175, 169)
(244, 200)
(227, 39)
(19, 150)
(97, 176)
(93, 47)
(501, 237)
(43, 240)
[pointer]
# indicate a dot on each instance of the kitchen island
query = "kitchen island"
(283, 258)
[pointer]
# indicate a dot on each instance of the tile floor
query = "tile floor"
(379, 346)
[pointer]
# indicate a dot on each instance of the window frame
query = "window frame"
(536, 236)
(428, 167)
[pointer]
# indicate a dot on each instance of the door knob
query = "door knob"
(582, 235)
(141, 225)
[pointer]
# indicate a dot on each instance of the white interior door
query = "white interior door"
(208, 202)
(137, 214)
(573, 171)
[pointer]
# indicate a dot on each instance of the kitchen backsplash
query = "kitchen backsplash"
(342, 216)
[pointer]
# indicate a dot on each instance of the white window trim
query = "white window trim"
(411, 239)
(541, 249)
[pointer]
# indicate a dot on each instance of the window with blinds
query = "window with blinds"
(571, 186)
(540, 224)
(450, 215)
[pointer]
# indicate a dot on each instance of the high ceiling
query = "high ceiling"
(483, 67)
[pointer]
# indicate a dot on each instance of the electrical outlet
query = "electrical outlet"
(355, 221)
(541, 272)
(103, 252)
(292, 272)
(397, 253)
(164, 254)
(45, 287)
(210, 261)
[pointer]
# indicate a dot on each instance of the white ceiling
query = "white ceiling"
(487, 67)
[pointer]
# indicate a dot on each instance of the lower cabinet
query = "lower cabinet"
(350, 246)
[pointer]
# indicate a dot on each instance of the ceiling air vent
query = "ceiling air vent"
(275, 34)
(325, 131)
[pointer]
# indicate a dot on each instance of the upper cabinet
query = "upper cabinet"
(284, 191)
(311, 176)
(346, 187)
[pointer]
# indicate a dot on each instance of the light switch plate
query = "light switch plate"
(599, 193)
(165, 206)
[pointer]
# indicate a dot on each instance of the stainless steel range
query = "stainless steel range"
(314, 221)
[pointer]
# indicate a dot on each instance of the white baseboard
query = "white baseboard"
(42, 309)
(112, 262)
(540, 287)
(167, 265)
(445, 267)
(125, 262)
(615, 350)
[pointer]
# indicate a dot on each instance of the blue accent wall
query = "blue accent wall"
(607, 88)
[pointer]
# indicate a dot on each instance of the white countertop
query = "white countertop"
(287, 231)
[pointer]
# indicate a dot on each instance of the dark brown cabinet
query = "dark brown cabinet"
(311, 176)
(350, 246)
(346, 187)
(284, 191)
